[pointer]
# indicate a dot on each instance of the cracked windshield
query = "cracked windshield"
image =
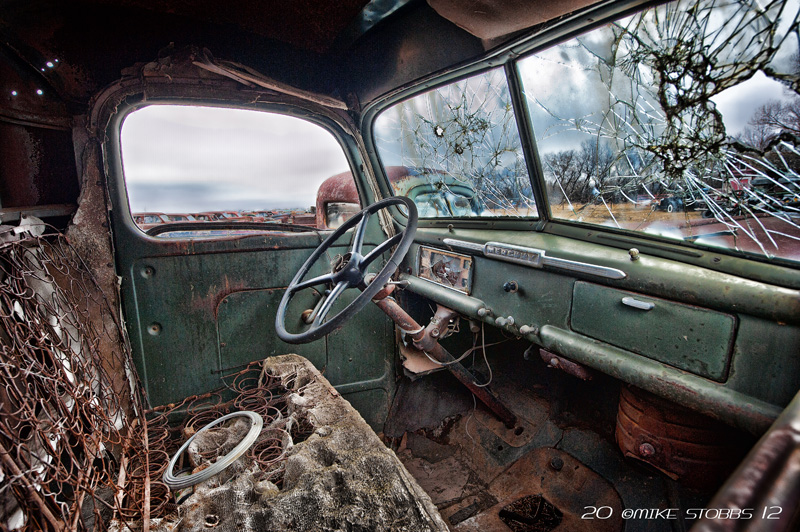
(456, 151)
(682, 121)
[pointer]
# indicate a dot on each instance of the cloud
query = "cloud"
(738, 104)
(189, 159)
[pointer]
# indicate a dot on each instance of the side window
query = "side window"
(682, 121)
(209, 167)
(456, 151)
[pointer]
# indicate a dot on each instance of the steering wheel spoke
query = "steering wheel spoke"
(346, 274)
(360, 232)
(326, 306)
(370, 257)
(322, 279)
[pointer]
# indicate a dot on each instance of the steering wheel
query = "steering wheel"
(347, 272)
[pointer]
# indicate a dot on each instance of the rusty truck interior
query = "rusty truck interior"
(400, 265)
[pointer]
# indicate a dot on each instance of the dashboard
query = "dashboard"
(669, 328)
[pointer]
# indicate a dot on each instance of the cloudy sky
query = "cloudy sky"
(738, 103)
(191, 159)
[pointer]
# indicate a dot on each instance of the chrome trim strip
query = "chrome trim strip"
(534, 258)
(517, 254)
(464, 245)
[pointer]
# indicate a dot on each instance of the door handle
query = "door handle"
(635, 303)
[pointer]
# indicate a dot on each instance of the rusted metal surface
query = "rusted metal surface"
(766, 486)
(683, 444)
(340, 188)
(81, 450)
(385, 292)
(561, 480)
(576, 370)
(484, 394)
(416, 363)
(702, 395)
(69, 390)
(406, 323)
(425, 340)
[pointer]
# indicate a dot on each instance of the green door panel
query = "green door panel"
(245, 321)
(359, 354)
(373, 405)
(684, 336)
(179, 296)
(356, 360)
(198, 311)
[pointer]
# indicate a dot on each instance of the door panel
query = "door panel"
(245, 331)
(200, 301)
(196, 312)
(175, 304)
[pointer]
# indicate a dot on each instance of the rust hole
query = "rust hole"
(531, 514)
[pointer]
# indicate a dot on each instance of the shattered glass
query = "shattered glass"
(682, 121)
(456, 151)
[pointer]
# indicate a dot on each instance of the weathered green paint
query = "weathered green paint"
(244, 321)
(705, 396)
(763, 369)
(361, 350)
(373, 405)
(651, 274)
(182, 295)
(215, 302)
(355, 358)
(687, 337)
(766, 360)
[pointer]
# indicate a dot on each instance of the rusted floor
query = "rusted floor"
(561, 466)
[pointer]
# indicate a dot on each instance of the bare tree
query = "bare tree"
(777, 117)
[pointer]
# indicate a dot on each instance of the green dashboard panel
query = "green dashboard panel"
(687, 337)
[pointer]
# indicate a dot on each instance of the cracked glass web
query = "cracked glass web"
(456, 151)
(631, 132)
(681, 121)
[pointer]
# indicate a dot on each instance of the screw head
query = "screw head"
(557, 463)
(646, 450)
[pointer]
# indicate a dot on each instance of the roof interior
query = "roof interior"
(325, 47)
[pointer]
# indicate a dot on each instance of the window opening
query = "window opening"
(212, 167)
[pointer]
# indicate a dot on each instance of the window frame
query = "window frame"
(112, 152)
(374, 112)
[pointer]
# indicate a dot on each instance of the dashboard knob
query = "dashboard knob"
(502, 322)
(511, 287)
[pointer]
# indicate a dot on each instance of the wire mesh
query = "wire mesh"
(69, 390)
(78, 448)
